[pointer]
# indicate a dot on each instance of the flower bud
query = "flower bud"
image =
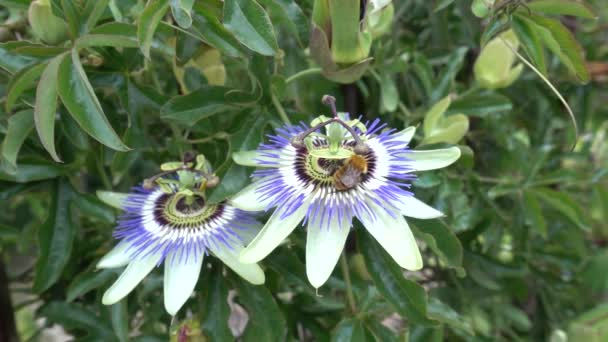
(342, 32)
(439, 128)
(45, 25)
(494, 67)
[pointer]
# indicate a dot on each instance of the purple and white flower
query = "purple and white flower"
(175, 226)
(308, 177)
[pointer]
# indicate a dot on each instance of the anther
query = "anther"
(212, 181)
(361, 148)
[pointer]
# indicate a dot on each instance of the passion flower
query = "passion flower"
(169, 220)
(354, 170)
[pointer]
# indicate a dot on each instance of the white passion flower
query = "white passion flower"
(354, 170)
(169, 220)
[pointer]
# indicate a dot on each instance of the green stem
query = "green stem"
(280, 109)
(303, 73)
(103, 174)
(349, 286)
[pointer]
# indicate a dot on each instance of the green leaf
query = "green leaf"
(248, 137)
(534, 215)
(88, 281)
(406, 296)
(46, 106)
(516, 316)
(562, 7)
(20, 82)
(120, 320)
(72, 16)
(76, 317)
(214, 309)
(445, 314)
(350, 330)
(99, 7)
(530, 41)
(19, 127)
(563, 203)
(209, 28)
(266, 321)
(561, 41)
(111, 34)
(79, 98)
(291, 15)
(35, 171)
(55, 238)
(389, 97)
(440, 239)
(250, 24)
(93, 208)
(148, 22)
(181, 12)
(446, 78)
(481, 104)
(11, 60)
(202, 103)
(442, 4)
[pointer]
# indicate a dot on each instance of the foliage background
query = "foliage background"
(520, 254)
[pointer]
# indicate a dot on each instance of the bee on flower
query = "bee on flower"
(169, 220)
(324, 180)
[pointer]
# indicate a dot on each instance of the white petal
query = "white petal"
(136, 271)
(248, 158)
(323, 249)
(247, 199)
(407, 134)
(247, 235)
(253, 273)
(275, 231)
(413, 207)
(113, 199)
(394, 235)
(117, 257)
(180, 279)
(432, 159)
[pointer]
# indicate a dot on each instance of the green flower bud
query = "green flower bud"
(45, 25)
(381, 20)
(494, 67)
(342, 34)
(439, 128)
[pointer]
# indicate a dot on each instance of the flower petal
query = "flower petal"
(247, 199)
(180, 279)
(406, 135)
(136, 271)
(432, 159)
(117, 257)
(247, 235)
(248, 158)
(273, 233)
(113, 199)
(394, 235)
(323, 248)
(413, 207)
(253, 273)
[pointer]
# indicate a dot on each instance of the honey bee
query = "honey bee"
(349, 174)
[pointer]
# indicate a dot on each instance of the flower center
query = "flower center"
(341, 173)
(178, 211)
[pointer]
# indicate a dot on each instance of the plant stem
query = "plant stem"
(279, 107)
(349, 286)
(107, 183)
(311, 71)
